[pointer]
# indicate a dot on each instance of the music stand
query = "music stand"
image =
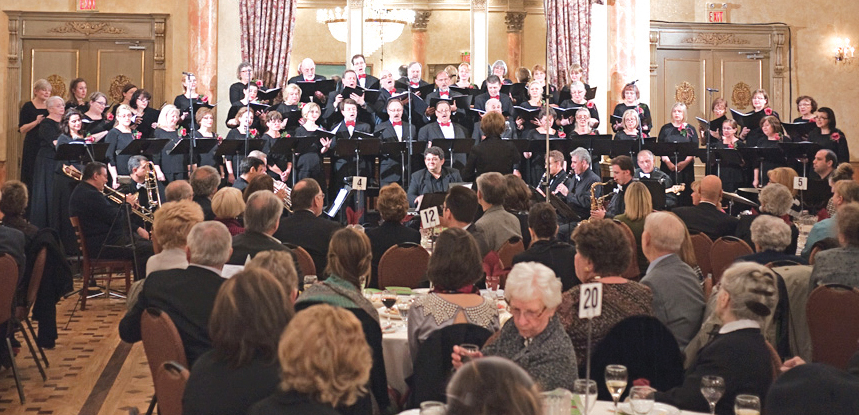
(758, 155)
(403, 149)
(657, 193)
(723, 156)
(146, 147)
(802, 150)
(624, 148)
(187, 147)
(455, 145)
(357, 148)
(676, 150)
(82, 152)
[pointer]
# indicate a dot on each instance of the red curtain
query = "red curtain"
(267, 28)
(569, 35)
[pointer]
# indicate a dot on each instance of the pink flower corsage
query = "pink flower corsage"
(204, 99)
(590, 104)
(640, 111)
(253, 132)
(182, 132)
(259, 83)
(285, 135)
(220, 139)
(768, 111)
(835, 137)
(137, 135)
(683, 131)
(562, 134)
(109, 116)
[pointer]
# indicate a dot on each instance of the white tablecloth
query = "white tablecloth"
(602, 408)
(398, 359)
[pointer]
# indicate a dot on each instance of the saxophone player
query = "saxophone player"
(576, 190)
(622, 170)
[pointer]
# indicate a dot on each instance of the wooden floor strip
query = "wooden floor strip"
(105, 380)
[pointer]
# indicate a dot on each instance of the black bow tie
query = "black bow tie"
(645, 175)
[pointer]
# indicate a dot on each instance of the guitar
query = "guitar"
(676, 189)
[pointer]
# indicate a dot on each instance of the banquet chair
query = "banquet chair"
(433, 365)
(161, 343)
(96, 269)
(509, 249)
(305, 261)
(833, 322)
(723, 253)
(632, 271)
(8, 284)
(403, 265)
(701, 244)
(796, 279)
(646, 347)
(170, 386)
(22, 312)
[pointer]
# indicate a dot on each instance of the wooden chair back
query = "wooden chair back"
(403, 265)
(723, 253)
(833, 322)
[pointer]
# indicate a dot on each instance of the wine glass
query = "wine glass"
(747, 405)
(615, 382)
(641, 399)
(712, 387)
(389, 298)
(586, 390)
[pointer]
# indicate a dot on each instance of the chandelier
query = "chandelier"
(381, 25)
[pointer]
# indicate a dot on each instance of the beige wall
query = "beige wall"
(814, 30)
(176, 41)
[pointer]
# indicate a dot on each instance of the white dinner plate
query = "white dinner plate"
(420, 291)
(384, 314)
(658, 409)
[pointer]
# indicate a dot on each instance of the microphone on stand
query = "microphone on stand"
(632, 83)
(712, 90)
(187, 74)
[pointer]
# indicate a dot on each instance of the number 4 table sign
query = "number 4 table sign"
(590, 306)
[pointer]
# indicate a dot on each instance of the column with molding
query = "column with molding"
(419, 38)
(203, 48)
(515, 22)
(479, 40)
(355, 28)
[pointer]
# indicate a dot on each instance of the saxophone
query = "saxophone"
(598, 203)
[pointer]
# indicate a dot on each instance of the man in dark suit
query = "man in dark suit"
(678, 301)
(492, 154)
(444, 128)
(436, 178)
(332, 114)
(413, 78)
(394, 131)
(460, 209)
(621, 173)
(647, 171)
(204, 182)
(186, 295)
(707, 217)
(138, 167)
(493, 87)
(104, 223)
(386, 91)
(306, 227)
(577, 189)
(359, 65)
(262, 218)
(545, 249)
(308, 72)
(345, 166)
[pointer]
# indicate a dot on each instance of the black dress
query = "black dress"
(644, 119)
(93, 127)
(730, 173)
(42, 196)
(28, 114)
(144, 122)
(763, 179)
(756, 136)
(184, 105)
(532, 168)
(117, 141)
(279, 160)
(589, 105)
(237, 92)
(236, 160)
(671, 134)
(174, 166)
(526, 126)
(622, 135)
(828, 142)
(309, 163)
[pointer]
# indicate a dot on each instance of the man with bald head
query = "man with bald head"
(678, 301)
(307, 72)
(707, 216)
(493, 105)
(178, 190)
(307, 227)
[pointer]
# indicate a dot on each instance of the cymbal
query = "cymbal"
(739, 199)
(749, 189)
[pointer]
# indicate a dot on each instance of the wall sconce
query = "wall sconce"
(843, 50)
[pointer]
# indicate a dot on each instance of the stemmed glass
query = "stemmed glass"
(712, 387)
(389, 298)
(641, 399)
(615, 382)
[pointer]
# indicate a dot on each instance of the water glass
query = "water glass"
(557, 402)
(468, 351)
(586, 390)
(712, 387)
(747, 405)
(641, 399)
(432, 408)
(309, 280)
(403, 309)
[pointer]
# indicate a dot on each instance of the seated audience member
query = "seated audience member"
(517, 201)
(454, 268)
(173, 222)
(281, 265)
(493, 386)
(602, 252)
(707, 216)
(822, 245)
(436, 178)
(678, 301)
(12, 242)
(496, 225)
(546, 249)
(13, 205)
(260, 182)
(844, 171)
(637, 205)
(249, 168)
(738, 353)
(775, 200)
(770, 237)
(696, 192)
(536, 340)
(843, 192)
(459, 210)
(393, 206)
(492, 154)
(228, 206)
(306, 227)
(324, 363)
(785, 176)
(262, 217)
(839, 265)
(251, 311)
(186, 295)
(178, 190)
(814, 388)
(204, 181)
(687, 254)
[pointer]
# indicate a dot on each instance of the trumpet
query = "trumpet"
(113, 195)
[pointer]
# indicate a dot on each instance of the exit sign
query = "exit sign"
(86, 5)
(717, 12)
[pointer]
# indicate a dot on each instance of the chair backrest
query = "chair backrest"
(646, 347)
(79, 235)
(432, 365)
(36, 275)
(509, 249)
(403, 265)
(8, 284)
(161, 340)
(170, 383)
(723, 253)
(632, 271)
(833, 323)
(305, 261)
(775, 359)
(701, 244)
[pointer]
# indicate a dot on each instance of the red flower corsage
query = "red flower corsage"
(640, 111)
(204, 99)
(683, 131)
(137, 135)
(301, 105)
(590, 104)
(182, 132)
(562, 134)
(835, 137)
(259, 83)
(110, 116)
(768, 111)
(220, 139)
(285, 135)
(253, 132)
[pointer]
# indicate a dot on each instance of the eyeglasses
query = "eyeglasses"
(528, 314)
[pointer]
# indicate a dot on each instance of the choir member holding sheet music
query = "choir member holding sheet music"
(244, 121)
(346, 130)
(413, 78)
(534, 103)
(535, 163)
(395, 130)
(679, 131)
(359, 65)
(351, 90)
(279, 166)
(308, 72)
(631, 95)
(751, 131)
(630, 126)
(249, 100)
(771, 127)
(94, 121)
(443, 128)
(183, 102)
(493, 90)
(168, 166)
(539, 75)
(806, 106)
(577, 100)
(730, 173)
(117, 139)
(309, 163)
(237, 90)
(206, 120)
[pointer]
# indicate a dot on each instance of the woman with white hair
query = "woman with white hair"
(32, 114)
(43, 172)
(770, 236)
(738, 353)
(679, 131)
(536, 340)
(170, 166)
(776, 201)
